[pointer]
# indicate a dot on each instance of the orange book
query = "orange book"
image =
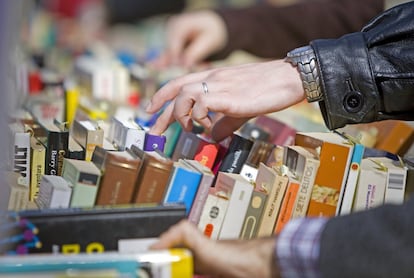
(335, 154)
(207, 152)
(394, 136)
(286, 209)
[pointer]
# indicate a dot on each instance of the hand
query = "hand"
(236, 93)
(224, 258)
(192, 37)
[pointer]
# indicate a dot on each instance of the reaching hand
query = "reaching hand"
(192, 37)
(235, 93)
(224, 258)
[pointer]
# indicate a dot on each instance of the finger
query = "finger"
(163, 121)
(181, 234)
(225, 126)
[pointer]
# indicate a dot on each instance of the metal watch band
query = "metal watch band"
(305, 60)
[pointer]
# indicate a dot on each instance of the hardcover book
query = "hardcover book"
(84, 177)
(335, 154)
(120, 171)
(88, 134)
(153, 177)
(38, 156)
(57, 144)
(98, 229)
(183, 185)
(239, 192)
(212, 215)
(274, 184)
(206, 182)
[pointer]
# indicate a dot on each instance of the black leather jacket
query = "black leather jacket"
(369, 75)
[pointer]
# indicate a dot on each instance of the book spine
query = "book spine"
(21, 157)
(38, 156)
(253, 215)
(300, 207)
(286, 208)
(272, 208)
(206, 153)
(236, 154)
(200, 198)
(57, 150)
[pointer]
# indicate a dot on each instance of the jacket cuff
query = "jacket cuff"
(350, 92)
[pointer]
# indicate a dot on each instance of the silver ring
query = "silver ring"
(205, 88)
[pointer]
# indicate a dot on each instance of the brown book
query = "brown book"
(153, 178)
(120, 175)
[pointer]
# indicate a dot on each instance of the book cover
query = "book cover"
(254, 131)
(120, 171)
(172, 135)
(206, 182)
(99, 229)
(281, 134)
(236, 154)
(206, 152)
(371, 185)
(183, 185)
(335, 153)
(38, 156)
(75, 150)
(213, 213)
(288, 203)
(274, 184)
(19, 152)
(57, 144)
(394, 136)
(54, 192)
(253, 214)
(124, 133)
(153, 178)
(84, 177)
(239, 192)
(88, 134)
(186, 146)
(18, 195)
(304, 164)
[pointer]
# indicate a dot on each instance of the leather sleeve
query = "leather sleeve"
(271, 31)
(369, 75)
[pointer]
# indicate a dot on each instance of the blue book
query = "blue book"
(183, 185)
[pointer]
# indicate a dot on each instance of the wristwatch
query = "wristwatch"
(305, 60)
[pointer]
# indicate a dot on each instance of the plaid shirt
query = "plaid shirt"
(297, 248)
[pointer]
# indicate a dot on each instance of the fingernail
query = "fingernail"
(148, 106)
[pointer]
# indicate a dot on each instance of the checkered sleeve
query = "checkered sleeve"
(297, 248)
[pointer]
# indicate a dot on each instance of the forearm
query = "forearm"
(271, 31)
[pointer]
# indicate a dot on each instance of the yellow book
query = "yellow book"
(38, 156)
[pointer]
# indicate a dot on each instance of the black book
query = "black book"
(236, 155)
(98, 229)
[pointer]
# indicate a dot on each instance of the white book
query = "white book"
(54, 192)
(20, 152)
(240, 192)
(371, 186)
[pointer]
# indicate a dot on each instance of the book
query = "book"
(17, 194)
(254, 131)
(88, 134)
(57, 143)
(206, 182)
(124, 133)
(75, 150)
(304, 165)
(335, 154)
(98, 229)
(186, 146)
(173, 263)
(288, 203)
(280, 133)
(371, 185)
(172, 135)
(54, 192)
(260, 152)
(253, 214)
(120, 170)
(38, 156)
(19, 152)
(153, 178)
(396, 179)
(206, 152)
(182, 185)
(153, 142)
(274, 183)
(84, 178)
(236, 154)
(212, 215)
(239, 192)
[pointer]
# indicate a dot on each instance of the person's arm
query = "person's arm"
(369, 76)
(271, 31)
